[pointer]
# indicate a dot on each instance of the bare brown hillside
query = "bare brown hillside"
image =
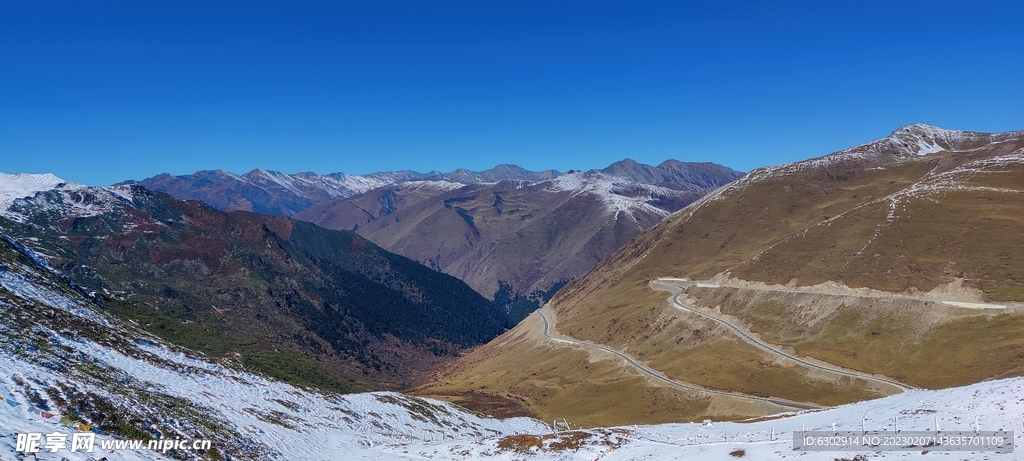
(530, 235)
(922, 210)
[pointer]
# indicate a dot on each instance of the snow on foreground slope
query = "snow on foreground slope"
(102, 373)
(993, 405)
(289, 423)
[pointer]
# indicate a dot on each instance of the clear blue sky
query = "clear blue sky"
(99, 92)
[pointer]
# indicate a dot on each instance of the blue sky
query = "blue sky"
(99, 92)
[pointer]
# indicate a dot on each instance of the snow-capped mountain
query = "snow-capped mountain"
(527, 234)
(21, 185)
(275, 193)
(63, 199)
(907, 143)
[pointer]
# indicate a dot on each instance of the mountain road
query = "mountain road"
(660, 376)
(749, 337)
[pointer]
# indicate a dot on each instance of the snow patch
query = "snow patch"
(610, 190)
(19, 285)
(15, 186)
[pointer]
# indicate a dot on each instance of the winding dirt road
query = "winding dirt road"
(661, 377)
(749, 337)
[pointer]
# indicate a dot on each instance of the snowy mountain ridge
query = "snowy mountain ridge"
(920, 139)
(277, 193)
(908, 142)
(50, 194)
(619, 194)
(15, 186)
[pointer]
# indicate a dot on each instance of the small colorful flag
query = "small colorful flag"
(13, 403)
(67, 421)
(83, 427)
(97, 430)
(46, 414)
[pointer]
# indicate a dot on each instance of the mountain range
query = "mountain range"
(279, 194)
(897, 261)
(511, 234)
(301, 303)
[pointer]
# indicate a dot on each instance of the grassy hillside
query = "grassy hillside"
(878, 216)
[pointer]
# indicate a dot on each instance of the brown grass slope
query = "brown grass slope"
(879, 215)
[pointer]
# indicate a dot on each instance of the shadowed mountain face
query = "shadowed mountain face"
(930, 219)
(302, 303)
(528, 235)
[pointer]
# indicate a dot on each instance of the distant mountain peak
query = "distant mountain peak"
(907, 142)
(924, 139)
(919, 127)
(21, 185)
(499, 172)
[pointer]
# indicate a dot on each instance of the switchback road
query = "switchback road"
(749, 337)
(661, 377)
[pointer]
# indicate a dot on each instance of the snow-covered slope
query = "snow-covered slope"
(15, 186)
(619, 194)
(63, 360)
(48, 193)
(988, 406)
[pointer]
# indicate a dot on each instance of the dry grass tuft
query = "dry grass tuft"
(570, 441)
(522, 443)
(563, 441)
